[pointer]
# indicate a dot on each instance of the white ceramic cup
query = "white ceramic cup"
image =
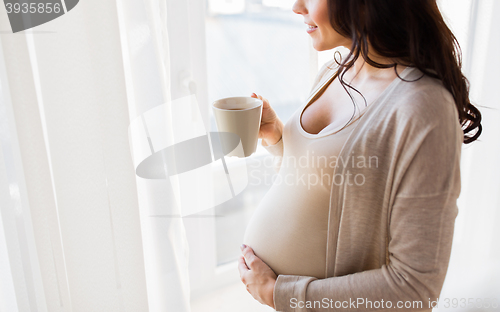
(241, 116)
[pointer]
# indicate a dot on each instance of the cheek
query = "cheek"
(324, 26)
(320, 14)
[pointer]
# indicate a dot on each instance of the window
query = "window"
(261, 47)
(245, 46)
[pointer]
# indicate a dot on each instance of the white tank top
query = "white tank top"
(280, 229)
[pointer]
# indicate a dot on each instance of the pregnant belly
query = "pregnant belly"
(288, 230)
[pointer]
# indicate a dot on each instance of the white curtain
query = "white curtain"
(145, 46)
(78, 230)
(474, 273)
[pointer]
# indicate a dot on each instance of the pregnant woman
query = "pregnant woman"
(366, 222)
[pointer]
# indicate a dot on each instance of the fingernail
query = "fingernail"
(243, 246)
(253, 94)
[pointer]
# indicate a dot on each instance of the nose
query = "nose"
(298, 7)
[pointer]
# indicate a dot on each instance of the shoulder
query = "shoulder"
(413, 111)
(424, 101)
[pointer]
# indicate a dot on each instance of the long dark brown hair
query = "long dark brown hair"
(414, 33)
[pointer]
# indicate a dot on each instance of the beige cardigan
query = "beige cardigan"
(390, 237)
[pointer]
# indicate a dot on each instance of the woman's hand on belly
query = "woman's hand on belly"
(257, 276)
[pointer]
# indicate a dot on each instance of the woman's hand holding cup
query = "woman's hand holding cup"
(271, 127)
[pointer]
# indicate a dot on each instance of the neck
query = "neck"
(361, 70)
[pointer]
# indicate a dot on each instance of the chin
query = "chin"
(326, 47)
(319, 48)
(322, 46)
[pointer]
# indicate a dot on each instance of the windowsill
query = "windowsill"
(233, 297)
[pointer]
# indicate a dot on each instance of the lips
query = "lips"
(311, 28)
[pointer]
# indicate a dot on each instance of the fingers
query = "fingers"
(251, 259)
(242, 268)
(256, 96)
(263, 99)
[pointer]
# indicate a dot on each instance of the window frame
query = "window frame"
(189, 75)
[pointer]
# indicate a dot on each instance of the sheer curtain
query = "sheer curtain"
(79, 231)
(474, 272)
(76, 225)
(146, 55)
